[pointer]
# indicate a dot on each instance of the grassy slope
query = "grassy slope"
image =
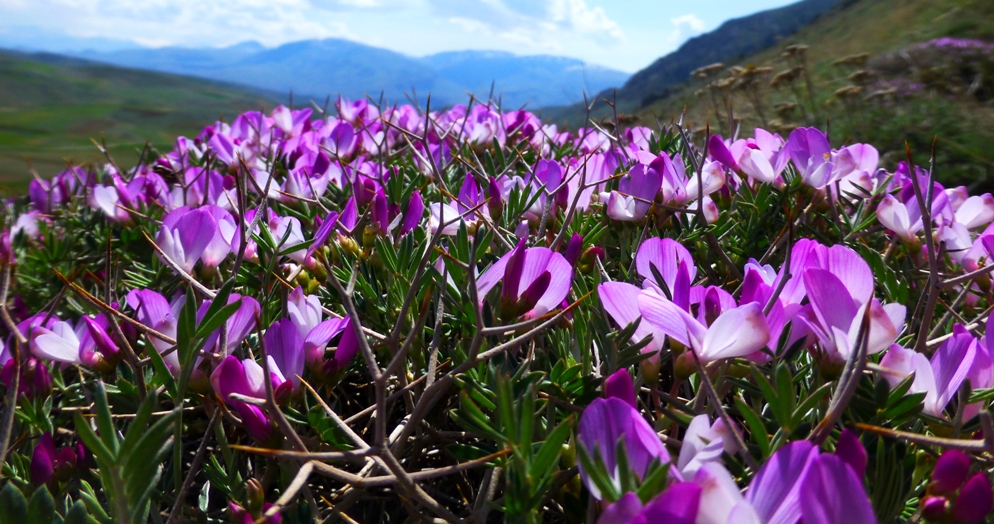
(50, 108)
(966, 129)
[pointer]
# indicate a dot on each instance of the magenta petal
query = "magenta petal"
(255, 421)
(831, 493)
(561, 279)
(348, 346)
(736, 333)
(317, 339)
(667, 255)
(775, 491)
(415, 211)
(671, 320)
(719, 151)
(974, 502)
(951, 364)
(284, 344)
(619, 385)
(830, 300)
(229, 377)
(574, 248)
(852, 270)
(679, 504)
(851, 450)
(350, 215)
(622, 511)
(323, 232)
(620, 301)
(607, 420)
(513, 269)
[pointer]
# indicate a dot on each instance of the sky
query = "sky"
(622, 34)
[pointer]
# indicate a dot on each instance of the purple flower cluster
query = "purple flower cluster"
(333, 193)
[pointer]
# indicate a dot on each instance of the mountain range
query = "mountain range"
(317, 69)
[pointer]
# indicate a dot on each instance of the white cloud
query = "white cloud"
(193, 22)
(691, 21)
(542, 23)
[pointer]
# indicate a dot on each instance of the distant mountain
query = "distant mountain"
(318, 68)
(542, 80)
(732, 40)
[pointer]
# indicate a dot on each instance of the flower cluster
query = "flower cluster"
(719, 331)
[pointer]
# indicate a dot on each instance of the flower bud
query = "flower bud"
(43, 460)
(496, 203)
(255, 497)
(974, 502)
(684, 366)
(950, 472)
(934, 509)
(6, 249)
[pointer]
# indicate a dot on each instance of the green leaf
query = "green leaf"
(209, 324)
(92, 441)
(162, 372)
(139, 423)
(550, 451)
(186, 330)
(13, 507)
(594, 467)
(654, 482)
(41, 507)
(105, 423)
(76, 514)
(756, 427)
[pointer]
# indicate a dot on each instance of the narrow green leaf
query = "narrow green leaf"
(139, 423)
(756, 427)
(210, 324)
(105, 423)
(551, 449)
(93, 442)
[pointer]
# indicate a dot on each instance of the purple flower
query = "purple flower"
(636, 192)
(185, 238)
(837, 316)
(240, 515)
(620, 301)
(239, 324)
(153, 311)
(833, 493)
(673, 263)
(47, 462)
(286, 347)
(307, 316)
(939, 378)
(702, 443)
(603, 424)
(734, 333)
(35, 382)
(678, 504)
(534, 281)
(245, 377)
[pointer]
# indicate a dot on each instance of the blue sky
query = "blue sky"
(625, 34)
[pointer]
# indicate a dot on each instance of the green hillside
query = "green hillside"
(51, 106)
(885, 30)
